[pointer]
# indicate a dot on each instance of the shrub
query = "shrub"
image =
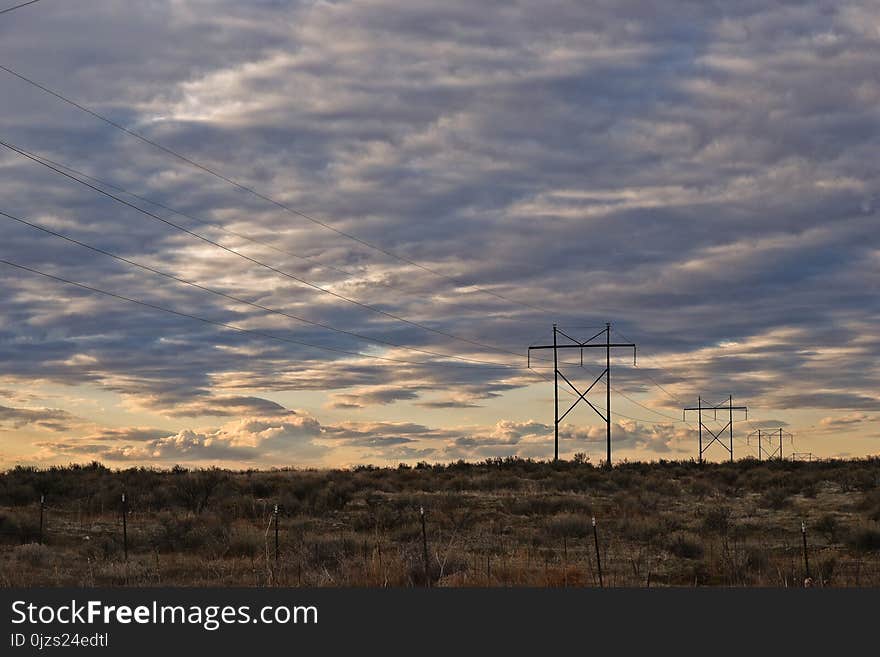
(756, 560)
(663, 486)
(686, 546)
(570, 525)
(717, 520)
(775, 498)
(546, 505)
(865, 539)
(871, 504)
(810, 489)
(700, 489)
(9, 524)
(644, 530)
(32, 554)
(333, 497)
(195, 489)
(828, 526)
(134, 572)
(245, 542)
(826, 567)
(181, 534)
(861, 480)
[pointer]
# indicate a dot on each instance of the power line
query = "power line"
(216, 225)
(716, 435)
(658, 385)
(744, 443)
(623, 394)
(637, 403)
(647, 408)
(212, 224)
(637, 419)
(23, 4)
(250, 259)
(649, 377)
(663, 369)
(240, 329)
(291, 210)
(212, 322)
(669, 394)
(582, 394)
(239, 299)
(261, 196)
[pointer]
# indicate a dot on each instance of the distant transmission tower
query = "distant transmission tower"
(769, 436)
(582, 396)
(716, 436)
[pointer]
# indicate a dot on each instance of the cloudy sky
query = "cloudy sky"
(364, 212)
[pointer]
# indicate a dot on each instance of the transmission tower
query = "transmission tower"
(607, 345)
(770, 437)
(716, 435)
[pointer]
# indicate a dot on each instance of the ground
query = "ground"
(505, 522)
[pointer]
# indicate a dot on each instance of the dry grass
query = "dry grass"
(500, 523)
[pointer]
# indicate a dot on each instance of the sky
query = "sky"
(332, 229)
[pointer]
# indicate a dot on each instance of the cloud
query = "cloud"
(50, 419)
(704, 178)
(371, 396)
(845, 423)
(126, 434)
(535, 439)
(219, 406)
(253, 439)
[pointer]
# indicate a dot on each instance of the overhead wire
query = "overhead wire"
(647, 375)
(239, 299)
(264, 197)
(619, 414)
(213, 224)
(252, 260)
(60, 169)
(226, 325)
(19, 6)
(297, 212)
(655, 382)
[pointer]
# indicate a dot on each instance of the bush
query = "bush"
(32, 554)
(775, 498)
(826, 567)
(700, 489)
(828, 526)
(756, 560)
(810, 489)
(184, 534)
(717, 520)
(135, 572)
(546, 505)
(865, 539)
(195, 489)
(246, 542)
(686, 546)
(644, 530)
(333, 497)
(861, 480)
(570, 525)
(871, 504)
(663, 486)
(9, 525)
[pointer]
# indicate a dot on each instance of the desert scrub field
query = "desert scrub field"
(503, 522)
